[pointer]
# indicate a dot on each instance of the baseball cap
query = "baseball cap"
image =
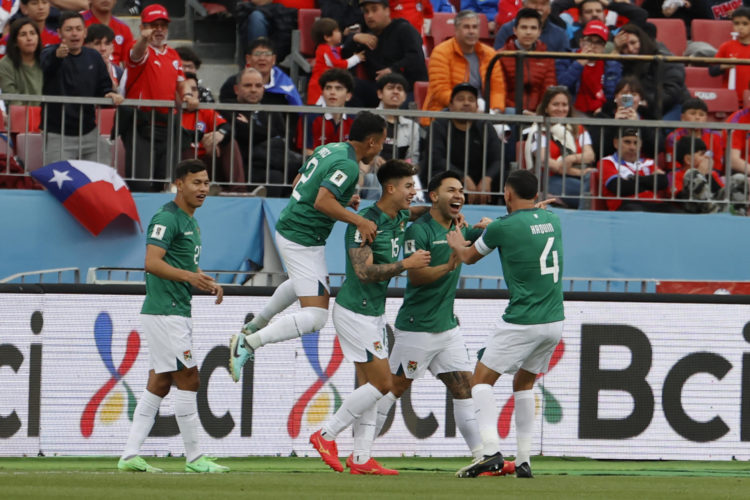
(629, 132)
(154, 12)
(384, 3)
(598, 28)
(464, 86)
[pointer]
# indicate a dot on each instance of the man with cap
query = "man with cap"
(154, 71)
(591, 82)
(390, 45)
(474, 151)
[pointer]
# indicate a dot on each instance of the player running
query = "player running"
(359, 317)
(529, 241)
(323, 188)
(173, 247)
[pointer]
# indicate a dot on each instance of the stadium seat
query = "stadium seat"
(105, 118)
(420, 92)
(484, 31)
(25, 118)
(672, 33)
(596, 203)
(442, 27)
(118, 156)
(303, 47)
(721, 102)
(696, 76)
(214, 8)
(711, 31)
(30, 150)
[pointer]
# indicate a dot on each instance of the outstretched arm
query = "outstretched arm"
(368, 272)
(466, 254)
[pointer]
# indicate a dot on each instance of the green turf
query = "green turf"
(303, 478)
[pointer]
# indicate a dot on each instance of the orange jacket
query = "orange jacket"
(448, 67)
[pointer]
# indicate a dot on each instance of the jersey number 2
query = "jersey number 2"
(304, 177)
(554, 269)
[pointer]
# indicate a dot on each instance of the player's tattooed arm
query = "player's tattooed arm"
(368, 272)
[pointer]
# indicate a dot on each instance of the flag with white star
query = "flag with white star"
(92, 192)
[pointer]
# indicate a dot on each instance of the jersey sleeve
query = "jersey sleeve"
(415, 239)
(472, 233)
(491, 238)
(341, 176)
(352, 238)
(161, 230)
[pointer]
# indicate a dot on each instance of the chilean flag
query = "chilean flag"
(92, 192)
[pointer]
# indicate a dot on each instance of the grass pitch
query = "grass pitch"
(309, 478)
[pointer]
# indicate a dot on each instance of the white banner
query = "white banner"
(629, 381)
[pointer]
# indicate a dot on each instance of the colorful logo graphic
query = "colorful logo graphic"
(318, 403)
(552, 407)
(112, 406)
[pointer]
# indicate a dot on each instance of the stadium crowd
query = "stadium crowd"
(392, 54)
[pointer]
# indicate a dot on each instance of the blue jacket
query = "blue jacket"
(282, 84)
(569, 74)
(486, 7)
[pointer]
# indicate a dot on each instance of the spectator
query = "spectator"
(390, 45)
(553, 36)
(566, 148)
(628, 104)
(694, 180)
(590, 10)
(154, 72)
(100, 38)
(279, 88)
(20, 71)
(337, 85)
(267, 19)
(70, 69)
(695, 110)
(401, 139)
(38, 12)
(191, 63)
(346, 13)
(736, 77)
(327, 37)
(739, 142)
(265, 158)
(592, 82)
(627, 174)
(463, 58)
(443, 6)
(476, 160)
(100, 12)
(486, 7)
(663, 86)
(538, 73)
(419, 13)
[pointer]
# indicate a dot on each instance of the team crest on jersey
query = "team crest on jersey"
(411, 366)
(176, 64)
(119, 39)
(378, 346)
(187, 355)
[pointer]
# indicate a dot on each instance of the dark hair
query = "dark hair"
(69, 14)
(688, 145)
(529, 13)
(366, 124)
(694, 103)
(627, 132)
(394, 78)
(98, 31)
(741, 12)
(524, 183)
(188, 54)
(339, 75)
(550, 94)
(261, 41)
(394, 170)
(648, 44)
(323, 27)
(631, 81)
(437, 180)
(189, 167)
(12, 51)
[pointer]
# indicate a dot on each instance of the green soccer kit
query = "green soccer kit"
(332, 166)
(176, 232)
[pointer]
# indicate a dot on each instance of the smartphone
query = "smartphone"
(354, 28)
(626, 100)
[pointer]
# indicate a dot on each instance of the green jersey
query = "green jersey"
(530, 246)
(334, 167)
(369, 298)
(429, 307)
(176, 232)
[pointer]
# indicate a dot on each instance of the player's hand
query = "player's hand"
(146, 33)
(483, 223)
(545, 203)
(219, 292)
(460, 221)
(454, 261)
(203, 282)
(368, 230)
(456, 240)
(417, 260)
(62, 51)
(354, 202)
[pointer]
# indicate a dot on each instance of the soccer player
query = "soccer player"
(173, 247)
(426, 330)
(358, 315)
(529, 241)
(323, 188)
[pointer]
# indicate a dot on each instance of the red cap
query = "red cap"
(154, 12)
(597, 28)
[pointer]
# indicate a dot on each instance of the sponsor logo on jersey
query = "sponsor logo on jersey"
(188, 233)
(158, 231)
(378, 346)
(411, 366)
(440, 242)
(187, 355)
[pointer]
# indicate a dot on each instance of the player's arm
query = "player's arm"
(218, 290)
(427, 275)
(465, 253)
(368, 272)
(327, 203)
(156, 265)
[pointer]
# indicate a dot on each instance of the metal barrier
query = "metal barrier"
(60, 273)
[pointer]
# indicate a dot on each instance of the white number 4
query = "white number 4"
(554, 270)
